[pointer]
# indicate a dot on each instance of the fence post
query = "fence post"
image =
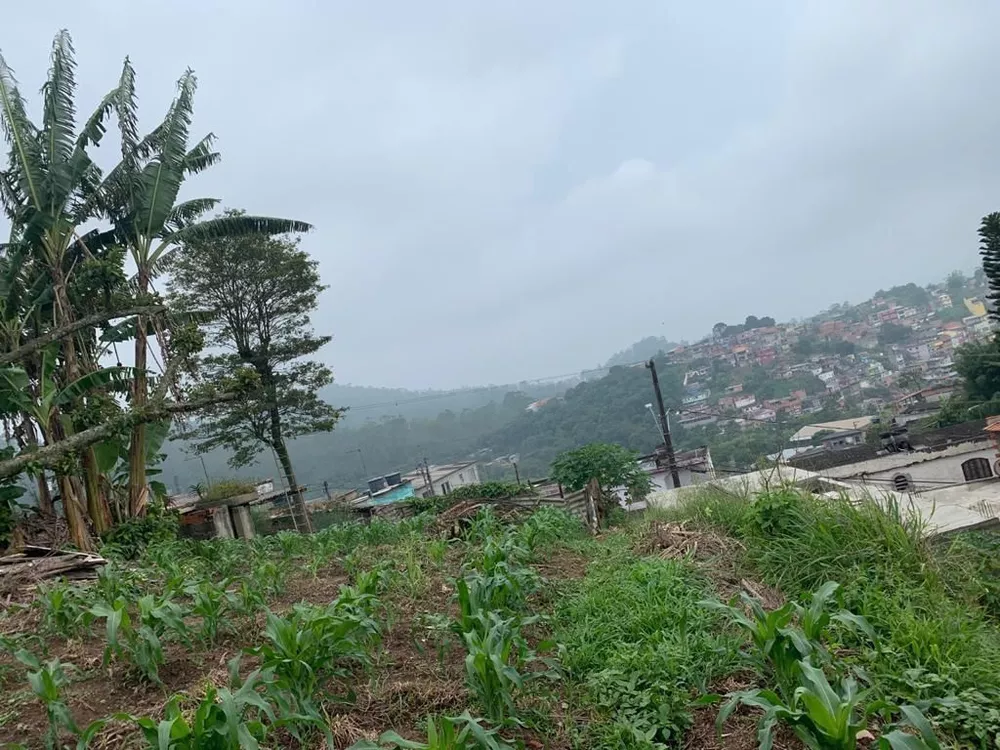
(592, 494)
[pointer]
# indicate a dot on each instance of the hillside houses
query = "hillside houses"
(855, 355)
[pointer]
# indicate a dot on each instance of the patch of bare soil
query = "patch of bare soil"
(563, 564)
(738, 733)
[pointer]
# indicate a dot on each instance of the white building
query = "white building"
(443, 478)
(693, 467)
(918, 463)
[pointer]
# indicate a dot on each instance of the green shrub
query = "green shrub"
(491, 491)
(128, 539)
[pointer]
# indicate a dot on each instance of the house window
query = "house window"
(445, 488)
(976, 468)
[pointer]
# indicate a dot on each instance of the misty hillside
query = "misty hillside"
(641, 350)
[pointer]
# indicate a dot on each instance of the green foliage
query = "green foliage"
(892, 333)
(909, 295)
(224, 720)
(784, 636)
(445, 733)
(62, 607)
(312, 645)
(9, 493)
(139, 640)
(129, 538)
(611, 465)
(827, 717)
(989, 251)
(258, 322)
(636, 638)
(47, 681)
(494, 654)
(921, 604)
(491, 491)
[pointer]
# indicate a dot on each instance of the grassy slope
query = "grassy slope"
(635, 644)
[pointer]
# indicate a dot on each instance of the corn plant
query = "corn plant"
(374, 581)
(47, 681)
(224, 720)
(784, 636)
(825, 717)
(62, 608)
(312, 645)
(211, 603)
(141, 646)
(446, 733)
(495, 653)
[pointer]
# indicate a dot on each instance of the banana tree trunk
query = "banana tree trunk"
(79, 535)
(97, 503)
(45, 505)
(138, 491)
(76, 519)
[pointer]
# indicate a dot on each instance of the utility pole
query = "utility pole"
(664, 426)
(430, 484)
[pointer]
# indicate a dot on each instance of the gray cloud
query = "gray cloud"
(503, 191)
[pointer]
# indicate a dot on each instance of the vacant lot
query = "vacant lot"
(816, 622)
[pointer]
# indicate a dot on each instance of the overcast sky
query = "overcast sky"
(504, 191)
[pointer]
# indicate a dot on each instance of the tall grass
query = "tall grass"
(934, 640)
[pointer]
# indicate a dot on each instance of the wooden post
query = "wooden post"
(592, 493)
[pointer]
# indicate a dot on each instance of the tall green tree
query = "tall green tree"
(258, 293)
(989, 251)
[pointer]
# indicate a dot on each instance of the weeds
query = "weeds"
(924, 611)
(636, 638)
(446, 733)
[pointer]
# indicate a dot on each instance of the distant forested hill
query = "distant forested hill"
(385, 430)
(641, 350)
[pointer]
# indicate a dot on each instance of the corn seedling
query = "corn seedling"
(141, 646)
(784, 636)
(828, 718)
(311, 646)
(495, 652)
(224, 720)
(210, 603)
(47, 681)
(446, 733)
(62, 608)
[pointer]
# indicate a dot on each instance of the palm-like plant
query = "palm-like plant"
(45, 191)
(55, 195)
(140, 197)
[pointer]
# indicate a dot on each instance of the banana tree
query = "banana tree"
(46, 192)
(141, 195)
(46, 402)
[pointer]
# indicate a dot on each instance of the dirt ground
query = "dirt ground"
(417, 671)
